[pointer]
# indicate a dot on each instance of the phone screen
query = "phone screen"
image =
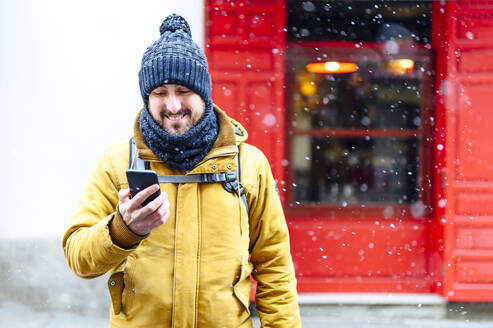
(139, 180)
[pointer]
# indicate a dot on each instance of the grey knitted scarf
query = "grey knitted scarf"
(182, 151)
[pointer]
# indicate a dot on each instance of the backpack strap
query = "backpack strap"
(134, 161)
(241, 190)
(229, 180)
(198, 178)
(240, 186)
(234, 185)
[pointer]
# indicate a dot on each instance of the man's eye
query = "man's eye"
(183, 92)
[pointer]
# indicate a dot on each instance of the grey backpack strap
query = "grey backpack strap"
(131, 152)
(240, 186)
(134, 162)
(234, 185)
(237, 131)
(198, 178)
(241, 190)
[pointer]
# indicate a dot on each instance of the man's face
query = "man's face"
(176, 108)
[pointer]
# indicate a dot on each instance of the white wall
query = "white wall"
(68, 90)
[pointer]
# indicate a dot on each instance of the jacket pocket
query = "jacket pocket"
(243, 287)
(121, 287)
(116, 285)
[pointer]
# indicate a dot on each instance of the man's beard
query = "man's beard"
(176, 129)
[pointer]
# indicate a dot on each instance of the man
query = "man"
(183, 259)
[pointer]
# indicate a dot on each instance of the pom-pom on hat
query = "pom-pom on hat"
(175, 59)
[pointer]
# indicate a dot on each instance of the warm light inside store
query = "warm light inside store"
(401, 66)
(332, 67)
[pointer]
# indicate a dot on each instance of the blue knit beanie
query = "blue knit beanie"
(175, 59)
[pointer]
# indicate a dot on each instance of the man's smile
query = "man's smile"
(175, 117)
(181, 114)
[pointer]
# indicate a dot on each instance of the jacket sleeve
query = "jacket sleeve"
(276, 298)
(88, 247)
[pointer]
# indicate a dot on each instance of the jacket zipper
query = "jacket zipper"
(174, 264)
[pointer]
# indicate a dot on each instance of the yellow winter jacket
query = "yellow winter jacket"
(193, 271)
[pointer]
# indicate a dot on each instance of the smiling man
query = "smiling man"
(184, 259)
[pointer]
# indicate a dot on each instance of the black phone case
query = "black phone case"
(138, 180)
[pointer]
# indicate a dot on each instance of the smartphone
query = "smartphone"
(138, 180)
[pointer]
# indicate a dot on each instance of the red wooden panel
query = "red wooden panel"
(261, 2)
(474, 203)
(349, 248)
(242, 3)
(260, 97)
(475, 3)
(474, 238)
(477, 27)
(389, 284)
(474, 292)
(224, 24)
(474, 61)
(228, 59)
(260, 26)
(474, 272)
(223, 93)
(474, 158)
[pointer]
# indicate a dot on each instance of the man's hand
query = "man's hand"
(142, 219)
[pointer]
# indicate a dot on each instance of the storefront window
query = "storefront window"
(360, 122)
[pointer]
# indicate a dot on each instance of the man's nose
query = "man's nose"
(173, 103)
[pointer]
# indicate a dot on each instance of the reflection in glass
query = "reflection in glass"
(356, 170)
(359, 20)
(374, 97)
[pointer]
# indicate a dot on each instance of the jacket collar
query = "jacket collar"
(227, 141)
